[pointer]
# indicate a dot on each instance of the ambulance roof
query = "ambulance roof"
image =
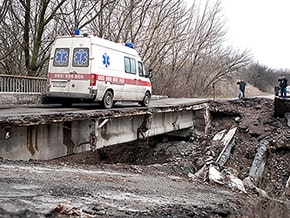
(94, 40)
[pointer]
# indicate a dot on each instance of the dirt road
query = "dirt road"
(115, 190)
(30, 189)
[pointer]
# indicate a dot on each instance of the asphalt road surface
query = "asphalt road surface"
(17, 110)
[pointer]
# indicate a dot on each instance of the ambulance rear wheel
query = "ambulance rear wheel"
(108, 100)
(146, 100)
(66, 104)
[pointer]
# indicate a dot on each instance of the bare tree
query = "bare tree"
(206, 60)
(262, 77)
(81, 14)
(26, 22)
(10, 44)
(3, 9)
(184, 46)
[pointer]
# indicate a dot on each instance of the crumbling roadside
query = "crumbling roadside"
(262, 150)
(240, 168)
(246, 150)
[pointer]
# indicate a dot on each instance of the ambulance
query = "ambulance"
(86, 68)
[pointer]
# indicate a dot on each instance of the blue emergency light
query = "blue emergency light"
(77, 31)
(129, 44)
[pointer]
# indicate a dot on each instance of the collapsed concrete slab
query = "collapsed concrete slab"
(287, 188)
(248, 182)
(228, 143)
(225, 177)
(219, 135)
(214, 175)
(287, 116)
(259, 162)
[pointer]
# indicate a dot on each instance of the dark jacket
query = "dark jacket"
(242, 85)
(282, 82)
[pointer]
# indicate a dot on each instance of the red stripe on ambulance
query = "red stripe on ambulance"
(110, 79)
(66, 76)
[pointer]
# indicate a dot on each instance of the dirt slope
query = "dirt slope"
(230, 89)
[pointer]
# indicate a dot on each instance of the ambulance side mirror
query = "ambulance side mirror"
(150, 73)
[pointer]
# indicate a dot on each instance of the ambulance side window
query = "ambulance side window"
(130, 65)
(141, 69)
(80, 57)
(61, 57)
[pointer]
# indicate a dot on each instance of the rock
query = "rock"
(248, 182)
(214, 175)
(237, 119)
(258, 107)
(236, 183)
(219, 135)
(256, 131)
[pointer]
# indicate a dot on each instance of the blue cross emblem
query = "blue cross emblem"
(106, 60)
(61, 57)
(81, 57)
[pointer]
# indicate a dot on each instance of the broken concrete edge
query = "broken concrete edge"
(226, 141)
(215, 175)
(219, 135)
(212, 170)
(212, 173)
(248, 183)
(225, 154)
(287, 116)
(258, 164)
(286, 192)
(207, 119)
(58, 117)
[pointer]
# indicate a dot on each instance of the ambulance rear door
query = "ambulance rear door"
(70, 68)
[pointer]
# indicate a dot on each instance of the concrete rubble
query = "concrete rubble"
(239, 168)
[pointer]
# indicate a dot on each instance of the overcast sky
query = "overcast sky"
(262, 26)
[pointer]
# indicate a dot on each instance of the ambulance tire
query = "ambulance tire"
(146, 100)
(66, 104)
(46, 100)
(108, 100)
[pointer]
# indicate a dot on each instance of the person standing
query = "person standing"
(283, 84)
(242, 89)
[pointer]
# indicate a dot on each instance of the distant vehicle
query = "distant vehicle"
(87, 68)
(288, 90)
(277, 91)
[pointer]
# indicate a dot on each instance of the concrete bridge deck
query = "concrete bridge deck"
(44, 132)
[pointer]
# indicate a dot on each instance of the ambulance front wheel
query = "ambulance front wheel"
(146, 100)
(108, 100)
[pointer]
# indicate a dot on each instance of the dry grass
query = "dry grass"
(230, 89)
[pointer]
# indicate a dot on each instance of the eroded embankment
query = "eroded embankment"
(201, 176)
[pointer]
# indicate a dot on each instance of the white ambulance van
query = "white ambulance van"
(86, 68)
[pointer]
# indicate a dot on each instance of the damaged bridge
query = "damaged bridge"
(47, 132)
